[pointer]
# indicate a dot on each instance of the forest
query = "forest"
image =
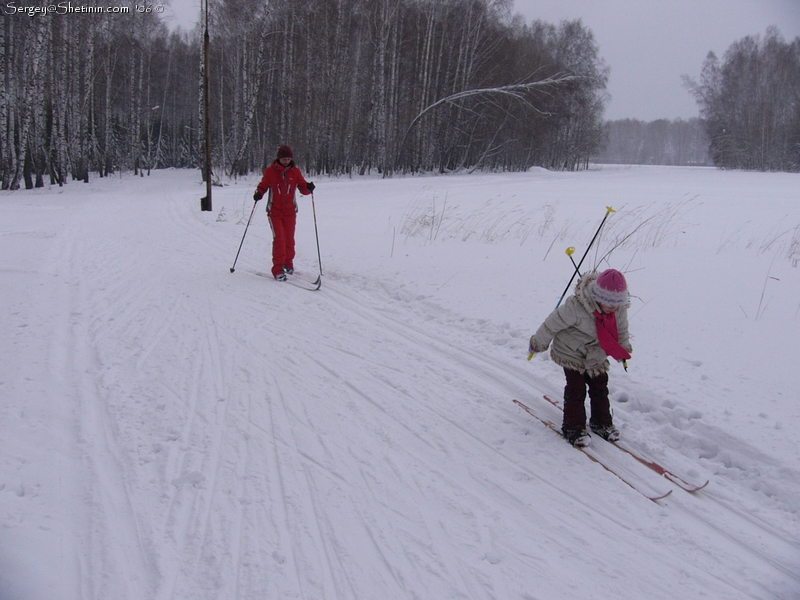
(360, 86)
(750, 103)
(660, 142)
(355, 86)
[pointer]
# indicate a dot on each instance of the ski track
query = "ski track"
(488, 378)
(307, 498)
(110, 505)
(780, 552)
(246, 453)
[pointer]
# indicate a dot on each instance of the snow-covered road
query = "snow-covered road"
(171, 430)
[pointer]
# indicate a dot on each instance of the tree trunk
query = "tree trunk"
(34, 56)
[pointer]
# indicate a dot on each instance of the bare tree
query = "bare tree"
(411, 85)
(750, 102)
(33, 71)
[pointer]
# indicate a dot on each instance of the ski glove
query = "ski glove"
(258, 196)
(311, 186)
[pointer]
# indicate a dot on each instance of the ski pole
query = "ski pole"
(570, 251)
(233, 268)
(316, 233)
(609, 210)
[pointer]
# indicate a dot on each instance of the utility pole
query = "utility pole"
(205, 203)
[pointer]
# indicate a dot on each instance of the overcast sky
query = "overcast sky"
(648, 44)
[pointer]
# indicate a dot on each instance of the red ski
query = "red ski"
(648, 461)
(607, 461)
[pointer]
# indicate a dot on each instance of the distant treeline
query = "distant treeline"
(661, 142)
(750, 114)
(750, 104)
(359, 86)
(353, 85)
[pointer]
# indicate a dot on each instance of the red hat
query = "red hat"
(610, 288)
(285, 152)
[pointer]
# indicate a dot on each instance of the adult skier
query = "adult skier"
(281, 179)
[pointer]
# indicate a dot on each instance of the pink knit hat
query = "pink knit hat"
(610, 288)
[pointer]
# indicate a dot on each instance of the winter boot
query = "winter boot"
(577, 437)
(280, 277)
(607, 432)
(288, 270)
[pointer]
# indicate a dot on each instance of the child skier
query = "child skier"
(589, 326)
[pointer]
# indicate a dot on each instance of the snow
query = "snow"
(172, 430)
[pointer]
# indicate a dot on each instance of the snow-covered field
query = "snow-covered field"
(171, 430)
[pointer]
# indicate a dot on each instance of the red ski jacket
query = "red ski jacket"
(282, 182)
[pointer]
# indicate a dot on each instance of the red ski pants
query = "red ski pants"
(282, 241)
(575, 397)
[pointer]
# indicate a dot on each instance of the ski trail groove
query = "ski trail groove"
(494, 375)
(314, 512)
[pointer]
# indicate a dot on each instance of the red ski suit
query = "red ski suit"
(281, 182)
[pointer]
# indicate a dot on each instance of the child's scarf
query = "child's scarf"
(608, 336)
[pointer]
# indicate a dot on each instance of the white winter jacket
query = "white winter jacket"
(572, 329)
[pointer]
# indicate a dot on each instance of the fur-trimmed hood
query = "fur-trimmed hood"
(583, 291)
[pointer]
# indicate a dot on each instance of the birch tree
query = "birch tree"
(353, 85)
(6, 106)
(33, 72)
(750, 102)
